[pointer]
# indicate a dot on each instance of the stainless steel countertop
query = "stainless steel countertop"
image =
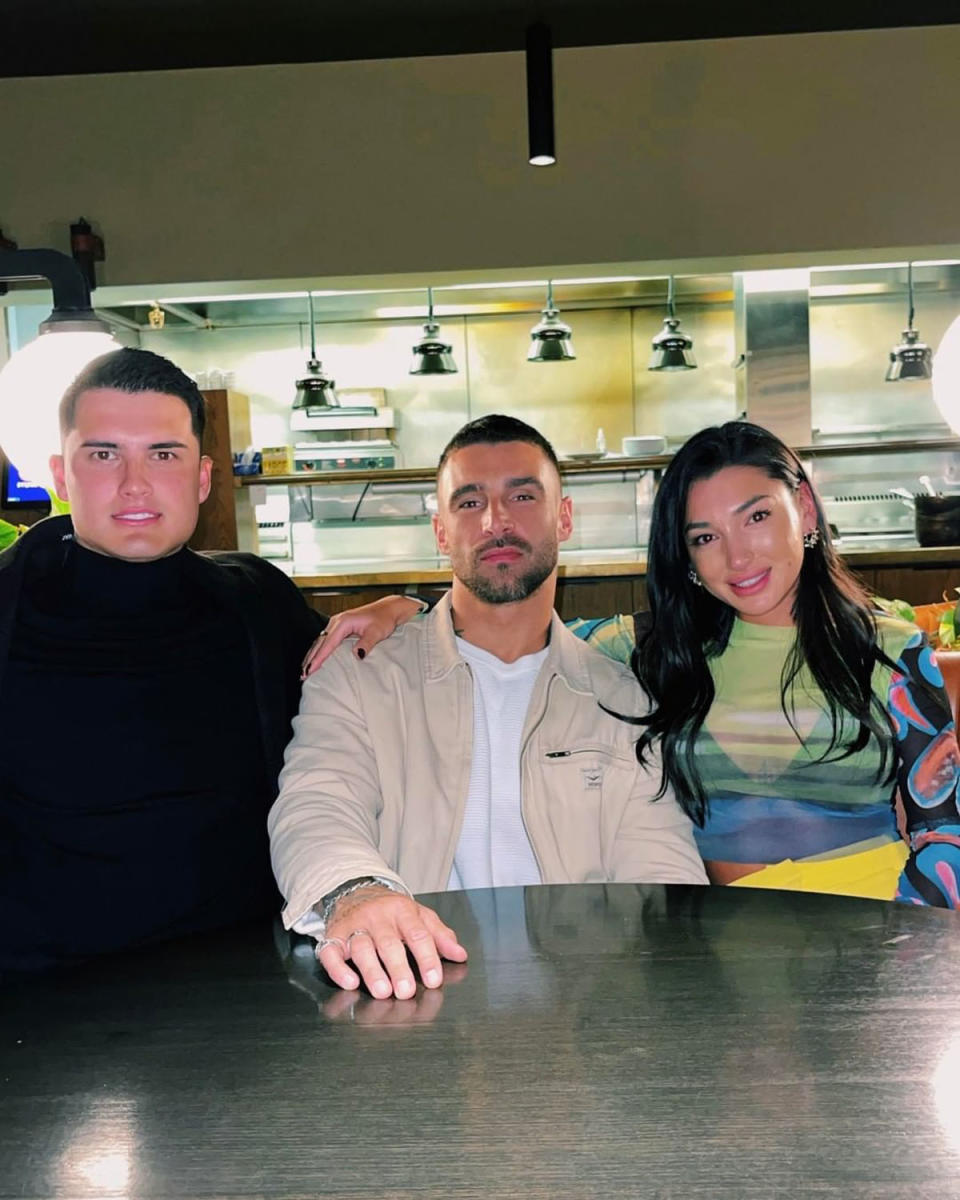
(597, 564)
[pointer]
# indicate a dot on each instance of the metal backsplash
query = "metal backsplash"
(771, 316)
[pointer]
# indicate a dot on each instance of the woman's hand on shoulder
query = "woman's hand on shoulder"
(369, 624)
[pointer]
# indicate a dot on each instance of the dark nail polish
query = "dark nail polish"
(361, 653)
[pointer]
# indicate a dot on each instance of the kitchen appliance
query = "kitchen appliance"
(937, 520)
(306, 420)
(869, 514)
(372, 454)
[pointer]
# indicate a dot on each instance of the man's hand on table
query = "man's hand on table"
(358, 1008)
(374, 928)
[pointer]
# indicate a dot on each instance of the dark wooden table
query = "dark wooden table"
(607, 1041)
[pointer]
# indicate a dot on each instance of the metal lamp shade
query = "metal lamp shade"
(431, 356)
(314, 390)
(672, 349)
(912, 359)
(550, 339)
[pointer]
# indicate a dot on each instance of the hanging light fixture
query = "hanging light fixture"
(672, 348)
(911, 359)
(315, 390)
(430, 355)
(550, 337)
(540, 96)
(36, 376)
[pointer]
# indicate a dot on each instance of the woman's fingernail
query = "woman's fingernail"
(361, 653)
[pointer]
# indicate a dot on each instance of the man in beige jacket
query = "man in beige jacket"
(471, 749)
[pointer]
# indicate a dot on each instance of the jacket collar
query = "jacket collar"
(566, 656)
(46, 532)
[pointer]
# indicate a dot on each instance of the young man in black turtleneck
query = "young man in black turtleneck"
(146, 691)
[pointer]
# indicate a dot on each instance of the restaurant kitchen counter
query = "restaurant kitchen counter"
(859, 553)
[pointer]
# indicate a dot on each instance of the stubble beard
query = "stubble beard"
(504, 587)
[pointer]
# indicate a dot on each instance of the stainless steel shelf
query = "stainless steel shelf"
(604, 466)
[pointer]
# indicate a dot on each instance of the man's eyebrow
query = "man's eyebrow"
(525, 481)
(739, 509)
(96, 444)
(465, 489)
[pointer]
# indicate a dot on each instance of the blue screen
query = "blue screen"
(15, 492)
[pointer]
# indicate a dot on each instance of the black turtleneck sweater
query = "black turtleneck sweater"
(144, 816)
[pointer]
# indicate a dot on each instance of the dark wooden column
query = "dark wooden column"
(228, 429)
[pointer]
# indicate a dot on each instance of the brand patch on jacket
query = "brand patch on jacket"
(592, 777)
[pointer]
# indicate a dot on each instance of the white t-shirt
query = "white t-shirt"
(494, 849)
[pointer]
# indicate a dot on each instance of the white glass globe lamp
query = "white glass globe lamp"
(31, 386)
(946, 376)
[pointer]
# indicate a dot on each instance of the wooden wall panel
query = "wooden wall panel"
(227, 429)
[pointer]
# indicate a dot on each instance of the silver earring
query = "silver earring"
(694, 577)
(811, 538)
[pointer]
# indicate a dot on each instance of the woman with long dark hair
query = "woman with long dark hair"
(784, 711)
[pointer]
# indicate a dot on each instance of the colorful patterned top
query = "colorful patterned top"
(771, 800)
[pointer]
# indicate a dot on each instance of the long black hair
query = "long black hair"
(837, 638)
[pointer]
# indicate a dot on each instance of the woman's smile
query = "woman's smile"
(744, 533)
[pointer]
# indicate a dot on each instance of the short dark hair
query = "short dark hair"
(493, 429)
(131, 370)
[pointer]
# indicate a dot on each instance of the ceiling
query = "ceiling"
(68, 37)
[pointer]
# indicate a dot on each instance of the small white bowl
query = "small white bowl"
(638, 447)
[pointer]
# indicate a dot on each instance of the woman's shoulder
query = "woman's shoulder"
(895, 634)
(615, 637)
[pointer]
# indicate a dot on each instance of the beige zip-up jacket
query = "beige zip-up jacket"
(376, 777)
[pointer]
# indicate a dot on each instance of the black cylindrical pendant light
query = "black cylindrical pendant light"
(540, 96)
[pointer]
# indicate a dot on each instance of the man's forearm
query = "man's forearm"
(324, 825)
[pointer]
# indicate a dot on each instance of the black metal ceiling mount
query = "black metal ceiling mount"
(71, 294)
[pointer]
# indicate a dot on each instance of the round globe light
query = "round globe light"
(946, 376)
(31, 386)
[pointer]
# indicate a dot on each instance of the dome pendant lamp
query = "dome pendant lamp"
(672, 348)
(550, 337)
(911, 359)
(314, 390)
(430, 355)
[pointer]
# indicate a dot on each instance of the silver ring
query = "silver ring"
(333, 941)
(357, 933)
